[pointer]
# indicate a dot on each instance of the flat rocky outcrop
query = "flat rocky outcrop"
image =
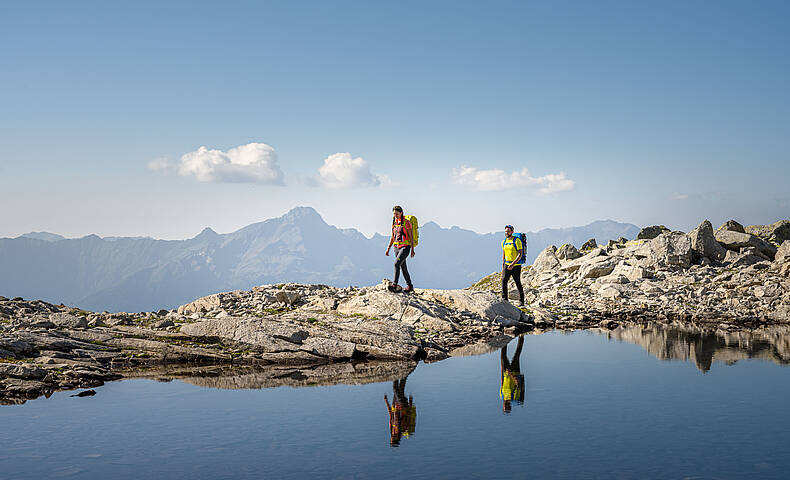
(46, 347)
(727, 279)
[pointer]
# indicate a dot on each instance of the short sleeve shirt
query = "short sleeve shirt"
(511, 246)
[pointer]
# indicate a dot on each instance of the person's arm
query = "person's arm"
(503, 259)
(392, 239)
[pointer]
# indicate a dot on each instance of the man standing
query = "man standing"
(512, 251)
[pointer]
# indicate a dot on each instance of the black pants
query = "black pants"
(516, 274)
(401, 254)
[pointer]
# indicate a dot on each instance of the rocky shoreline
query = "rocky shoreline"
(719, 282)
(46, 348)
(725, 280)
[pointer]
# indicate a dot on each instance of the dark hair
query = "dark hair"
(396, 208)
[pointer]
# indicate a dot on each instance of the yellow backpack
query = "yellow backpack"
(415, 228)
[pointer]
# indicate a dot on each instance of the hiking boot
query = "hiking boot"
(521, 304)
(392, 287)
(408, 289)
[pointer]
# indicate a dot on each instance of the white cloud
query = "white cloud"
(161, 165)
(497, 180)
(678, 196)
(253, 162)
(342, 171)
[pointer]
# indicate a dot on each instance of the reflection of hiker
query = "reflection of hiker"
(404, 237)
(512, 386)
(512, 258)
(402, 413)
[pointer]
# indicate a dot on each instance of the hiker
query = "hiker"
(512, 258)
(511, 387)
(404, 240)
(402, 413)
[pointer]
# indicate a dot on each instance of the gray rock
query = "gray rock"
(288, 296)
(668, 250)
(589, 245)
(67, 320)
(731, 226)
(631, 272)
(735, 241)
(164, 324)
(704, 244)
(590, 257)
(567, 252)
(651, 232)
(783, 253)
(598, 267)
(777, 232)
(285, 338)
(546, 260)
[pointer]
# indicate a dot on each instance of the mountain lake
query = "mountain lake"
(586, 404)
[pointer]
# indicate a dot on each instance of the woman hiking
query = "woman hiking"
(403, 240)
(512, 251)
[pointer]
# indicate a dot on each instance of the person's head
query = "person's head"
(509, 230)
(397, 212)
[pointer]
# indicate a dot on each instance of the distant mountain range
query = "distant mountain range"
(141, 273)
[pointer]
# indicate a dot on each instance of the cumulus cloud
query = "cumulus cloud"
(253, 162)
(342, 171)
(497, 180)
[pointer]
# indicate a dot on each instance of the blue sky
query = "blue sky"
(645, 112)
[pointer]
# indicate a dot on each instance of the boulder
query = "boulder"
(737, 259)
(777, 232)
(735, 241)
(631, 272)
(546, 260)
(731, 226)
(567, 252)
(485, 305)
(67, 320)
(668, 250)
(288, 297)
(783, 253)
(598, 267)
(649, 233)
(589, 257)
(589, 245)
(704, 244)
(203, 304)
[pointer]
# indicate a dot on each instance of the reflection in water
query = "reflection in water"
(704, 347)
(511, 388)
(270, 376)
(402, 412)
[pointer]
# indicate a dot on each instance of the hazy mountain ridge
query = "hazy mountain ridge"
(141, 273)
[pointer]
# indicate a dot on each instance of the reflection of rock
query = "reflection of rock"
(491, 345)
(703, 347)
(248, 377)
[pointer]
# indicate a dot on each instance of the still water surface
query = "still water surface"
(628, 404)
